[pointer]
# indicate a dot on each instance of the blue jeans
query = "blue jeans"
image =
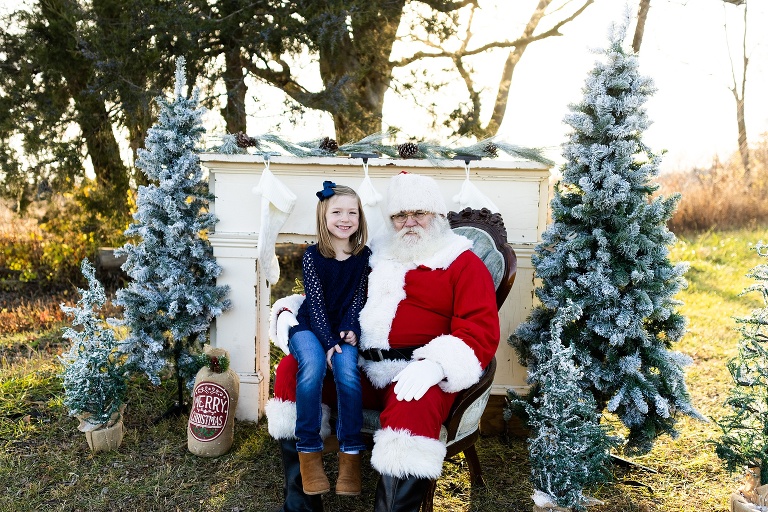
(310, 355)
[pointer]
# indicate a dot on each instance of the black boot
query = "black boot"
(293, 492)
(400, 494)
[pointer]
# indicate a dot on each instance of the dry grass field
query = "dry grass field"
(45, 463)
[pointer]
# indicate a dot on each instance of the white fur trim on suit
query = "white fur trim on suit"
(381, 373)
(281, 419)
(455, 244)
(401, 454)
(386, 288)
(292, 303)
(461, 366)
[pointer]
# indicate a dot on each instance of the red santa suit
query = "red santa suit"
(443, 308)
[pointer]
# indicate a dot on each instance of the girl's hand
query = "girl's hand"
(349, 337)
(329, 354)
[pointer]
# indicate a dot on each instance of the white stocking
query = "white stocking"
(277, 202)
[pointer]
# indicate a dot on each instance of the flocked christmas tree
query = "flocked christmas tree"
(569, 448)
(172, 296)
(94, 374)
(744, 442)
(606, 253)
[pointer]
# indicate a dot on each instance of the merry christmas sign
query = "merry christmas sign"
(210, 411)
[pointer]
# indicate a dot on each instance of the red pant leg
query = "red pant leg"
(285, 378)
(422, 417)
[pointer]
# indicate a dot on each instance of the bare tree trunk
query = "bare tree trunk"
(743, 143)
(361, 75)
(502, 95)
(231, 39)
(642, 16)
(739, 98)
(234, 80)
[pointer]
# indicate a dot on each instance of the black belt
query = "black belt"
(375, 354)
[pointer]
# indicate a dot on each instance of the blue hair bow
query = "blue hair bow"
(327, 190)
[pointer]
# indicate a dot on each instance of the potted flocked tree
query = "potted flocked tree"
(94, 374)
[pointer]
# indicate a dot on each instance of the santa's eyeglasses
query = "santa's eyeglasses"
(418, 216)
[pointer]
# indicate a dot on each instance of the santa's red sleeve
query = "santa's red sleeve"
(469, 347)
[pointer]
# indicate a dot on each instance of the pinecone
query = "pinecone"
(245, 141)
(492, 149)
(330, 145)
(407, 150)
(214, 364)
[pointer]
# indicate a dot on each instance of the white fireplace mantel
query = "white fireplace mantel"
(518, 188)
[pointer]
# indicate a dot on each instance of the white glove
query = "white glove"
(416, 378)
(285, 321)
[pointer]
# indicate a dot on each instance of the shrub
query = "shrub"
(745, 429)
(720, 196)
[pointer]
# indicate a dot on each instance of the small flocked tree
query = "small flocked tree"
(606, 252)
(172, 296)
(744, 442)
(94, 374)
(569, 448)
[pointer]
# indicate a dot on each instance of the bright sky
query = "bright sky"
(684, 51)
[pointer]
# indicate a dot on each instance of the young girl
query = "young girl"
(335, 284)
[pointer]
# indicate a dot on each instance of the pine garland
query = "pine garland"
(217, 364)
(436, 153)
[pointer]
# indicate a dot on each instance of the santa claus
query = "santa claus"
(428, 329)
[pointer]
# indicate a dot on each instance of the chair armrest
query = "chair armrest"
(467, 398)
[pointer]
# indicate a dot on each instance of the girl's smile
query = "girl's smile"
(343, 220)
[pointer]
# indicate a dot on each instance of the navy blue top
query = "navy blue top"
(335, 293)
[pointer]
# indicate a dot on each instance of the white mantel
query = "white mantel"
(518, 188)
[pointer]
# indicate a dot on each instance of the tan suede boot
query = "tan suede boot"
(349, 483)
(313, 477)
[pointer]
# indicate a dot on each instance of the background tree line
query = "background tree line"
(78, 79)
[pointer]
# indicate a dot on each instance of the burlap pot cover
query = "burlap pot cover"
(106, 438)
(211, 426)
(750, 501)
(537, 508)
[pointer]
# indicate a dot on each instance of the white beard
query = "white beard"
(417, 243)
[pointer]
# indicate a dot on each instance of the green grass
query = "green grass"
(45, 463)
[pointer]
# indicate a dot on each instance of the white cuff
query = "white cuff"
(461, 366)
(292, 303)
(401, 454)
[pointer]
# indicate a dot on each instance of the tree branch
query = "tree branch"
(442, 6)
(284, 81)
(521, 41)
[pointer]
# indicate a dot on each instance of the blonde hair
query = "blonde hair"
(359, 237)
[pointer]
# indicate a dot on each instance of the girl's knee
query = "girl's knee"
(315, 372)
(344, 370)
